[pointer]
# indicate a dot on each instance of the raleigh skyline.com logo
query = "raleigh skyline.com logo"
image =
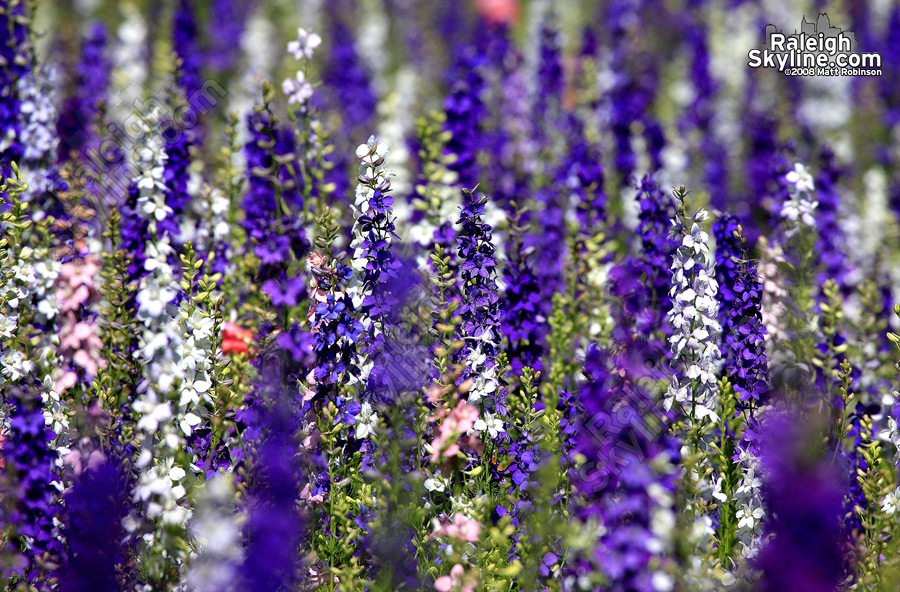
(817, 50)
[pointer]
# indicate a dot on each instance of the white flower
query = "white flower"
(434, 485)
(800, 178)
(153, 414)
(304, 45)
(8, 325)
(370, 152)
(153, 298)
(891, 502)
(490, 423)
(366, 421)
(297, 89)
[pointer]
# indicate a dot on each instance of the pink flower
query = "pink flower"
(461, 527)
(79, 272)
(498, 11)
(459, 421)
(455, 581)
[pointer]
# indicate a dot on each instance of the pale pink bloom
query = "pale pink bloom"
(73, 460)
(79, 272)
(95, 460)
(434, 394)
(461, 527)
(455, 581)
(459, 421)
(305, 494)
(65, 381)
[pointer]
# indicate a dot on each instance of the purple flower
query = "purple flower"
(94, 509)
(466, 114)
(622, 436)
(728, 253)
(175, 176)
(79, 112)
(225, 26)
(831, 243)
(275, 527)
(15, 56)
(184, 41)
(641, 283)
(803, 492)
(521, 316)
(30, 497)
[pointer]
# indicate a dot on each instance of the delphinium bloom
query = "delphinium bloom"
(800, 207)
(332, 317)
(632, 89)
(159, 491)
(275, 527)
(624, 481)
(548, 89)
(218, 537)
(584, 178)
(130, 60)
(728, 251)
(30, 498)
(373, 260)
(79, 111)
(701, 113)
(346, 76)
(298, 89)
(804, 493)
(79, 343)
(224, 28)
(693, 392)
(744, 336)
(760, 133)
(888, 48)
(175, 175)
(693, 318)
(184, 42)
(651, 300)
(466, 112)
(38, 135)
(521, 305)
(349, 85)
(480, 305)
(15, 55)
(745, 365)
(831, 243)
(94, 508)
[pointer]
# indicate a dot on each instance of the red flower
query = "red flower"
(236, 339)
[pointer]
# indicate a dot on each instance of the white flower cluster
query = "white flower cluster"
(396, 116)
(483, 373)
(800, 208)
(17, 282)
(158, 487)
(130, 71)
(210, 206)
(218, 537)
(751, 511)
(38, 134)
(372, 160)
(774, 297)
(693, 319)
(298, 89)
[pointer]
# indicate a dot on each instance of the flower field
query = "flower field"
(485, 295)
